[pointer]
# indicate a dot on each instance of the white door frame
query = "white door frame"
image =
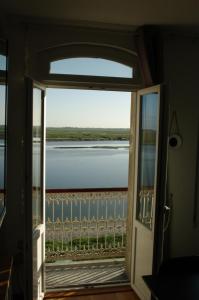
(37, 234)
(157, 233)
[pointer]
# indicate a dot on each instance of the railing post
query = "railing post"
(62, 224)
(89, 208)
(115, 202)
(80, 217)
(71, 232)
(70, 225)
(97, 224)
(53, 226)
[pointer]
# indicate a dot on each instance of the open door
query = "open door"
(35, 155)
(146, 188)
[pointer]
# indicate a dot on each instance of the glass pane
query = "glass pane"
(37, 153)
(147, 158)
(3, 87)
(91, 67)
(2, 62)
(2, 145)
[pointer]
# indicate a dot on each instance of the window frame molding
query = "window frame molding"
(43, 59)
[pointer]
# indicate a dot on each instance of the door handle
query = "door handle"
(166, 208)
(167, 215)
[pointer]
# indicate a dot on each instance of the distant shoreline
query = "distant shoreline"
(82, 140)
(147, 136)
(86, 134)
(92, 147)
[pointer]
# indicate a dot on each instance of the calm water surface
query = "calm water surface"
(86, 164)
(89, 164)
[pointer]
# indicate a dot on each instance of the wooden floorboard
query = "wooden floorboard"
(112, 293)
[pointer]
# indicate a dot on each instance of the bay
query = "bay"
(86, 164)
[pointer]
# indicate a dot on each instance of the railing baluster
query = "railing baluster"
(62, 224)
(97, 222)
(106, 225)
(123, 223)
(63, 230)
(71, 227)
(114, 223)
(80, 218)
(89, 208)
(53, 226)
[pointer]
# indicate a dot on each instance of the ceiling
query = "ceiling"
(116, 12)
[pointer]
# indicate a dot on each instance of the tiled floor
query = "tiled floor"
(81, 274)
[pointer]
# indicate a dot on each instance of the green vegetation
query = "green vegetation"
(2, 131)
(36, 131)
(148, 137)
(84, 243)
(87, 134)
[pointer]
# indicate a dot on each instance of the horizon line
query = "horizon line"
(88, 127)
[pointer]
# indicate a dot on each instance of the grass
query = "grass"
(148, 137)
(2, 132)
(84, 243)
(86, 134)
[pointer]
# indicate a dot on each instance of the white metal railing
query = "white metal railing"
(2, 200)
(145, 207)
(86, 224)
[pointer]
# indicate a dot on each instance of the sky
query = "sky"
(150, 111)
(88, 108)
(2, 91)
(2, 62)
(90, 66)
(2, 104)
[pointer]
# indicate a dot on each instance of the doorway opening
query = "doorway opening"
(86, 223)
(87, 158)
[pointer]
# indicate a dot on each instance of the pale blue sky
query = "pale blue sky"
(150, 111)
(2, 91)
(90, 66)
(2, 104)
(2, 62)
(88, 108)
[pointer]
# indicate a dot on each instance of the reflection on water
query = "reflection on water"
(90, 164)
(86, 164)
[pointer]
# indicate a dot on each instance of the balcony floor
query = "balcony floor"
(85, 273)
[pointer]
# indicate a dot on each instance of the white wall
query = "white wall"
(182, 81)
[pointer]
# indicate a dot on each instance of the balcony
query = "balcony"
(85, 236)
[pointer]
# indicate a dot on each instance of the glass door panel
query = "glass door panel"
(149, 116)
(3, 126)
(37, 201)
(145, 194)
(35, 190)
(38, 205)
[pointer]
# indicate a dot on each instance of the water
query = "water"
(98, 164)
(86, 164)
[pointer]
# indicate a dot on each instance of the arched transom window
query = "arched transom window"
(90, 66)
